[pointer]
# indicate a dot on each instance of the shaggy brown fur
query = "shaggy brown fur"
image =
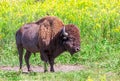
(49, 27)
(47, 37)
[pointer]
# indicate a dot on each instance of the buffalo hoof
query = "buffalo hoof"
(45, 71)
(52, 71)
(30, 70)
(20, 70)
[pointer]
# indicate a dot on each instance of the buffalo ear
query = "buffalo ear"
(65, 38)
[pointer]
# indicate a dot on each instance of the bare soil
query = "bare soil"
(58, 68)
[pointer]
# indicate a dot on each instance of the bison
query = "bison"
(50, 37)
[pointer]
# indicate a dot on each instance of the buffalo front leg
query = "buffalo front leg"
(44, 58)
(45, 67)
(27, 57)
(51, 62)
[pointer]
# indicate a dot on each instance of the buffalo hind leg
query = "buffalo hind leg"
(27, 57)
(20, 51)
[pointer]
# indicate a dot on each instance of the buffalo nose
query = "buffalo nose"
(77, 49)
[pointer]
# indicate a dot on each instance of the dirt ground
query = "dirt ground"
(58, 68)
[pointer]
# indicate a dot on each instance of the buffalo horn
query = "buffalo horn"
(64, 33)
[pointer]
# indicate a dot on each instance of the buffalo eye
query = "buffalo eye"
(71, 39)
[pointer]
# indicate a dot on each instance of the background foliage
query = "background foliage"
(98, 21)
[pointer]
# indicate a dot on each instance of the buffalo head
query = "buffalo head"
(71, 38)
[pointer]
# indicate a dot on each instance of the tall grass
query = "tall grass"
(98, 21)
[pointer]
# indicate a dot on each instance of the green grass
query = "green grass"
(99, 24)
(84, 75)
